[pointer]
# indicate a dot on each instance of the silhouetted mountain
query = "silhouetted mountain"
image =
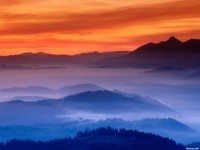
(89, 103)
(170, 47)
(34, 58)
(172, 52)
(168, 53)
(50, 59)
(98, 139)
(97, 56)
(69, 90)
(119, 103)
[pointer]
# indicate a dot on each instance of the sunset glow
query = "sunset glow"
(71, 27)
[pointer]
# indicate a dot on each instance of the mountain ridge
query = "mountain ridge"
(88, 103)
(30, 91)
(172, 53)
(45, 58)
(171, 46)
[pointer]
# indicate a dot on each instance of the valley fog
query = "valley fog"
(115, 78)
(172, 88)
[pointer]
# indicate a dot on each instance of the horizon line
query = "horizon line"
(89, 52)
(56, 54)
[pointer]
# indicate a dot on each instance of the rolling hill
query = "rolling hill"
(98, 139)
(97, 103)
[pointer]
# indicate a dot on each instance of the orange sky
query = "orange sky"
(76, 26)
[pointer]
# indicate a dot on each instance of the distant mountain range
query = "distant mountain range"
(69, 90)
(37, 92)
(50, 59)
(87, 104)
(172, 52)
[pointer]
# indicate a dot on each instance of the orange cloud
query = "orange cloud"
(116, 28)
(70, 23)
(9, 1)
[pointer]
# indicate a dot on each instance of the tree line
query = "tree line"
(99, 139)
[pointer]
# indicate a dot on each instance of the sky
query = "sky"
(79, 26)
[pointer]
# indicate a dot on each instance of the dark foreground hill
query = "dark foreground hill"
(166, 127)
(99, 139)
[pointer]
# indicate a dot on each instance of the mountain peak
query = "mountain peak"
(36, 54)
(173, 40)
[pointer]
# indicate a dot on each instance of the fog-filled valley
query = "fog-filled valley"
(45, 97)
(53, 103)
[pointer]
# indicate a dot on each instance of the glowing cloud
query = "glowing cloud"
(102, 26)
